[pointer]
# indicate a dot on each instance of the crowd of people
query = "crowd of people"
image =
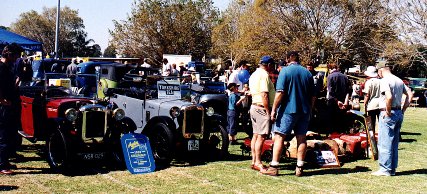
(283, 100)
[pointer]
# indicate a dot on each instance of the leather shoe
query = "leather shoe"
(7, 172)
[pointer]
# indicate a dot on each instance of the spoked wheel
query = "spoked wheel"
(162, 144)
(58, 154)
(217, 141)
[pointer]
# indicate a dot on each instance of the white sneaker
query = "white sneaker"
(381, 173)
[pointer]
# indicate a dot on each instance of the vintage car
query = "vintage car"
(40, 67)
(172, 124)
(73, 127)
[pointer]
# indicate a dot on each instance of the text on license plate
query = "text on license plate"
(193, 145)
(92, 156)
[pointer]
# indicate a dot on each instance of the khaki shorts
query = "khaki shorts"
(260, 120)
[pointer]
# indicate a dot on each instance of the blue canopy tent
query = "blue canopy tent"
(8, 37)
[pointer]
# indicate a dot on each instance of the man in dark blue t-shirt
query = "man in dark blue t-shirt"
(338, 95)
(294, 100)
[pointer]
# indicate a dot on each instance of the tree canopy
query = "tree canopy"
(157, 27)
(72, 35)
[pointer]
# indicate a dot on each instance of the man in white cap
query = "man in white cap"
(372, 95)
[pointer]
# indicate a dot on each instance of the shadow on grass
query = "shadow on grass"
(408, 140)
(328, 171)
(8, 187)
(409, 133)
(412, 172)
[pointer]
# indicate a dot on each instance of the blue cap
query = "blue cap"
(266, 60)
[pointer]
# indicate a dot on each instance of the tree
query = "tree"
(110, 51)
(156, 27)
(41, 27)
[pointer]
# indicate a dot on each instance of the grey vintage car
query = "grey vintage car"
(172, 124)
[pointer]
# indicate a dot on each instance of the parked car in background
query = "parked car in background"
(40, 67)
(418, 86)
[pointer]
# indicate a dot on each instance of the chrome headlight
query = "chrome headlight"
(118, 114)
(210, 111)
(71, 114)
(174, 112)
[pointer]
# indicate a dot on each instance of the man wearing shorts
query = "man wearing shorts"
(262, 91)
(295, 95)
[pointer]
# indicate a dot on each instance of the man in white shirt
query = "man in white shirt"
(166, 68)
(145, 64)
(234, 76)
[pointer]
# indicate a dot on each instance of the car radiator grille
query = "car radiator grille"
(193, 120)
(94, 124)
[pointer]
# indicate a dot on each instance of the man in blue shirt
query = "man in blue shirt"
(338, 96)
(294, 100)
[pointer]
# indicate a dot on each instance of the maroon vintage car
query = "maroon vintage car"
(74, 127)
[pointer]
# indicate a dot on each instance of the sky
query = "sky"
(96, 14)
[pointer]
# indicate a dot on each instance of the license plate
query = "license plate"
(92, 156)
(193, 145)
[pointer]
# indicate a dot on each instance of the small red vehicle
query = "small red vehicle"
(74, 127)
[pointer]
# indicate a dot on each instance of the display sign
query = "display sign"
(169, 89)
(137, 152)
(327, 159)
(64, 82)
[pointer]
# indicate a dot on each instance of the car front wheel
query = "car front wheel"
(58, 154)
(162, 144)
(217, 141)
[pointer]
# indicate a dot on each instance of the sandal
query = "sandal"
(259, 167)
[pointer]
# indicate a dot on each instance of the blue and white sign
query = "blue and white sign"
(137, 152)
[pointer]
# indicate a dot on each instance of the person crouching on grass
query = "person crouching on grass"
(231, 113)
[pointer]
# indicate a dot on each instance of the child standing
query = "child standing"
(231, 113)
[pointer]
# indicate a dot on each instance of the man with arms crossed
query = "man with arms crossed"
(295, 95)
(262, 91)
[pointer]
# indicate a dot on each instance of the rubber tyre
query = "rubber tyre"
(58, 151)
(162, 144)
(217, 141)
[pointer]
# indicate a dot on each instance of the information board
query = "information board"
(137, 152)
(169, 89)
(327, 159)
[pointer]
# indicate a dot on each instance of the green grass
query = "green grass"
(234, 175)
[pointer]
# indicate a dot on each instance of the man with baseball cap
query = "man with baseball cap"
(262, 91)
(293, 101)
(392, 89)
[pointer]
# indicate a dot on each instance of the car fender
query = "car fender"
(215, 119)
(61, 124)
(162, 119)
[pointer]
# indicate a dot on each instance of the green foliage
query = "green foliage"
(157, 27)
(110, 51)
(41, 27)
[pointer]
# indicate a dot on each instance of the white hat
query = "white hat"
(370, 71)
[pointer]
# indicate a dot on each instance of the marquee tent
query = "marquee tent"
(8, 37)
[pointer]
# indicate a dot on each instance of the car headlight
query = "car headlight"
(210, 111)
(174, 112)
(118, 114)
(71, 114)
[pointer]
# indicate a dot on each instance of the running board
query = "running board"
(28, 137)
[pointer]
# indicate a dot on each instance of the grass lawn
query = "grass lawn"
(234, 175)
